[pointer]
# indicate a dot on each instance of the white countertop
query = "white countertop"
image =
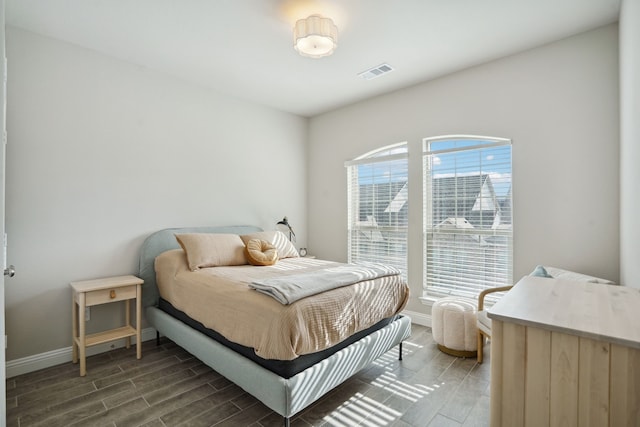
(604, 312)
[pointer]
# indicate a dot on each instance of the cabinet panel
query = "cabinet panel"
(538, 376)
(497, 346)
(563, 408)
(593, 380)
(513, 361)
(625, 386)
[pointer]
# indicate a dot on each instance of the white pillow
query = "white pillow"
(277, 238)
(212, 250)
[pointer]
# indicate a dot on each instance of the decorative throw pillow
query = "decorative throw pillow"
(277, 238)
(212, 250)
(261, 252)
(562, 274)
(540, 271)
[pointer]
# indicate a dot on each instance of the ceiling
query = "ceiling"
(244, 48)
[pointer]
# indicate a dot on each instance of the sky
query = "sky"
(448, 160)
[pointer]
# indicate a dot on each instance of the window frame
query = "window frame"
(458, 230)
(394, 235)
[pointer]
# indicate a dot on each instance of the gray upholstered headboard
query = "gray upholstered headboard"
(164, 240)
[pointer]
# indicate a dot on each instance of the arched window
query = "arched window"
(467, 215)
(378, 206)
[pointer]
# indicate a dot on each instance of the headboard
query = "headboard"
(165, 240)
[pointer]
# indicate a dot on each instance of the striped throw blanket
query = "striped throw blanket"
(288, 289)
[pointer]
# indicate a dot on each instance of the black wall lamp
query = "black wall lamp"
(286, 227)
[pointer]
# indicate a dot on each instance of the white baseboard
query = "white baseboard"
(418, 318)
(63, 355)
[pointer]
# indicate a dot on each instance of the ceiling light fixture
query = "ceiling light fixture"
(315, 36)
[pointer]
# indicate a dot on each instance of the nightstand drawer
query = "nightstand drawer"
(102, 296)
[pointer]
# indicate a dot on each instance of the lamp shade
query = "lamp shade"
(284, 226)
(315, 36)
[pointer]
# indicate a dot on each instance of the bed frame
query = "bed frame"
(285, 396)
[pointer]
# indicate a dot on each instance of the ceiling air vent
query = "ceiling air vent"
(374, 72)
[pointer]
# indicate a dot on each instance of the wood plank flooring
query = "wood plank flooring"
(169, 387)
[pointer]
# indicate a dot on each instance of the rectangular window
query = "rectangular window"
(378, 207)
(467, 215)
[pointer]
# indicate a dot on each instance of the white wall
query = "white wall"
(630, 142)
(102, 152)
(559, 105)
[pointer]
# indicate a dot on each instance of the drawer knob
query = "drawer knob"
(112, 294)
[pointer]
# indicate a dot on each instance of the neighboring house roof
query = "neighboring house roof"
(369, 229)
(399, 201)
(383, 202)
(505, 207)
(386, 204)
(455, 223)
(467, 196)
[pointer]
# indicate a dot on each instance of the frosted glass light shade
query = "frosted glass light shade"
(315, 36)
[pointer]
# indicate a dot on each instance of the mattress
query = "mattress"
(283, 368)
(221, 300)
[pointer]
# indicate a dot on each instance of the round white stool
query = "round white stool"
(454, 326)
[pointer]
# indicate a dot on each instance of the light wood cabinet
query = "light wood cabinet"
(565, 354)
(88, 293)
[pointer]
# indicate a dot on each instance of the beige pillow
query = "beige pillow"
(261, 252)
(277, 238)
(212, 250)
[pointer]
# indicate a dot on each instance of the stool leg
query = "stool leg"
(480, 346)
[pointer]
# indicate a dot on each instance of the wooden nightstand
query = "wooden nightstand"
(87, 293)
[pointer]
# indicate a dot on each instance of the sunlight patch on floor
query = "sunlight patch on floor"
(362, 409)
(409, 392)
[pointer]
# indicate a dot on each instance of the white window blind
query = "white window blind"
(467, 215)
(378, 206)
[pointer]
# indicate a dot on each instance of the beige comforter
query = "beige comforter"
(220, 298)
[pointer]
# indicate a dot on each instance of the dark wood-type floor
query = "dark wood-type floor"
(169, 387)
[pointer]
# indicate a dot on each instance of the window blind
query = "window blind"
(467, 233)
(378, 206)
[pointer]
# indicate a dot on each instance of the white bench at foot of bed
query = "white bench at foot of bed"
(286, 396)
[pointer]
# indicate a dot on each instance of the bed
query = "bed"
(286, 382)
